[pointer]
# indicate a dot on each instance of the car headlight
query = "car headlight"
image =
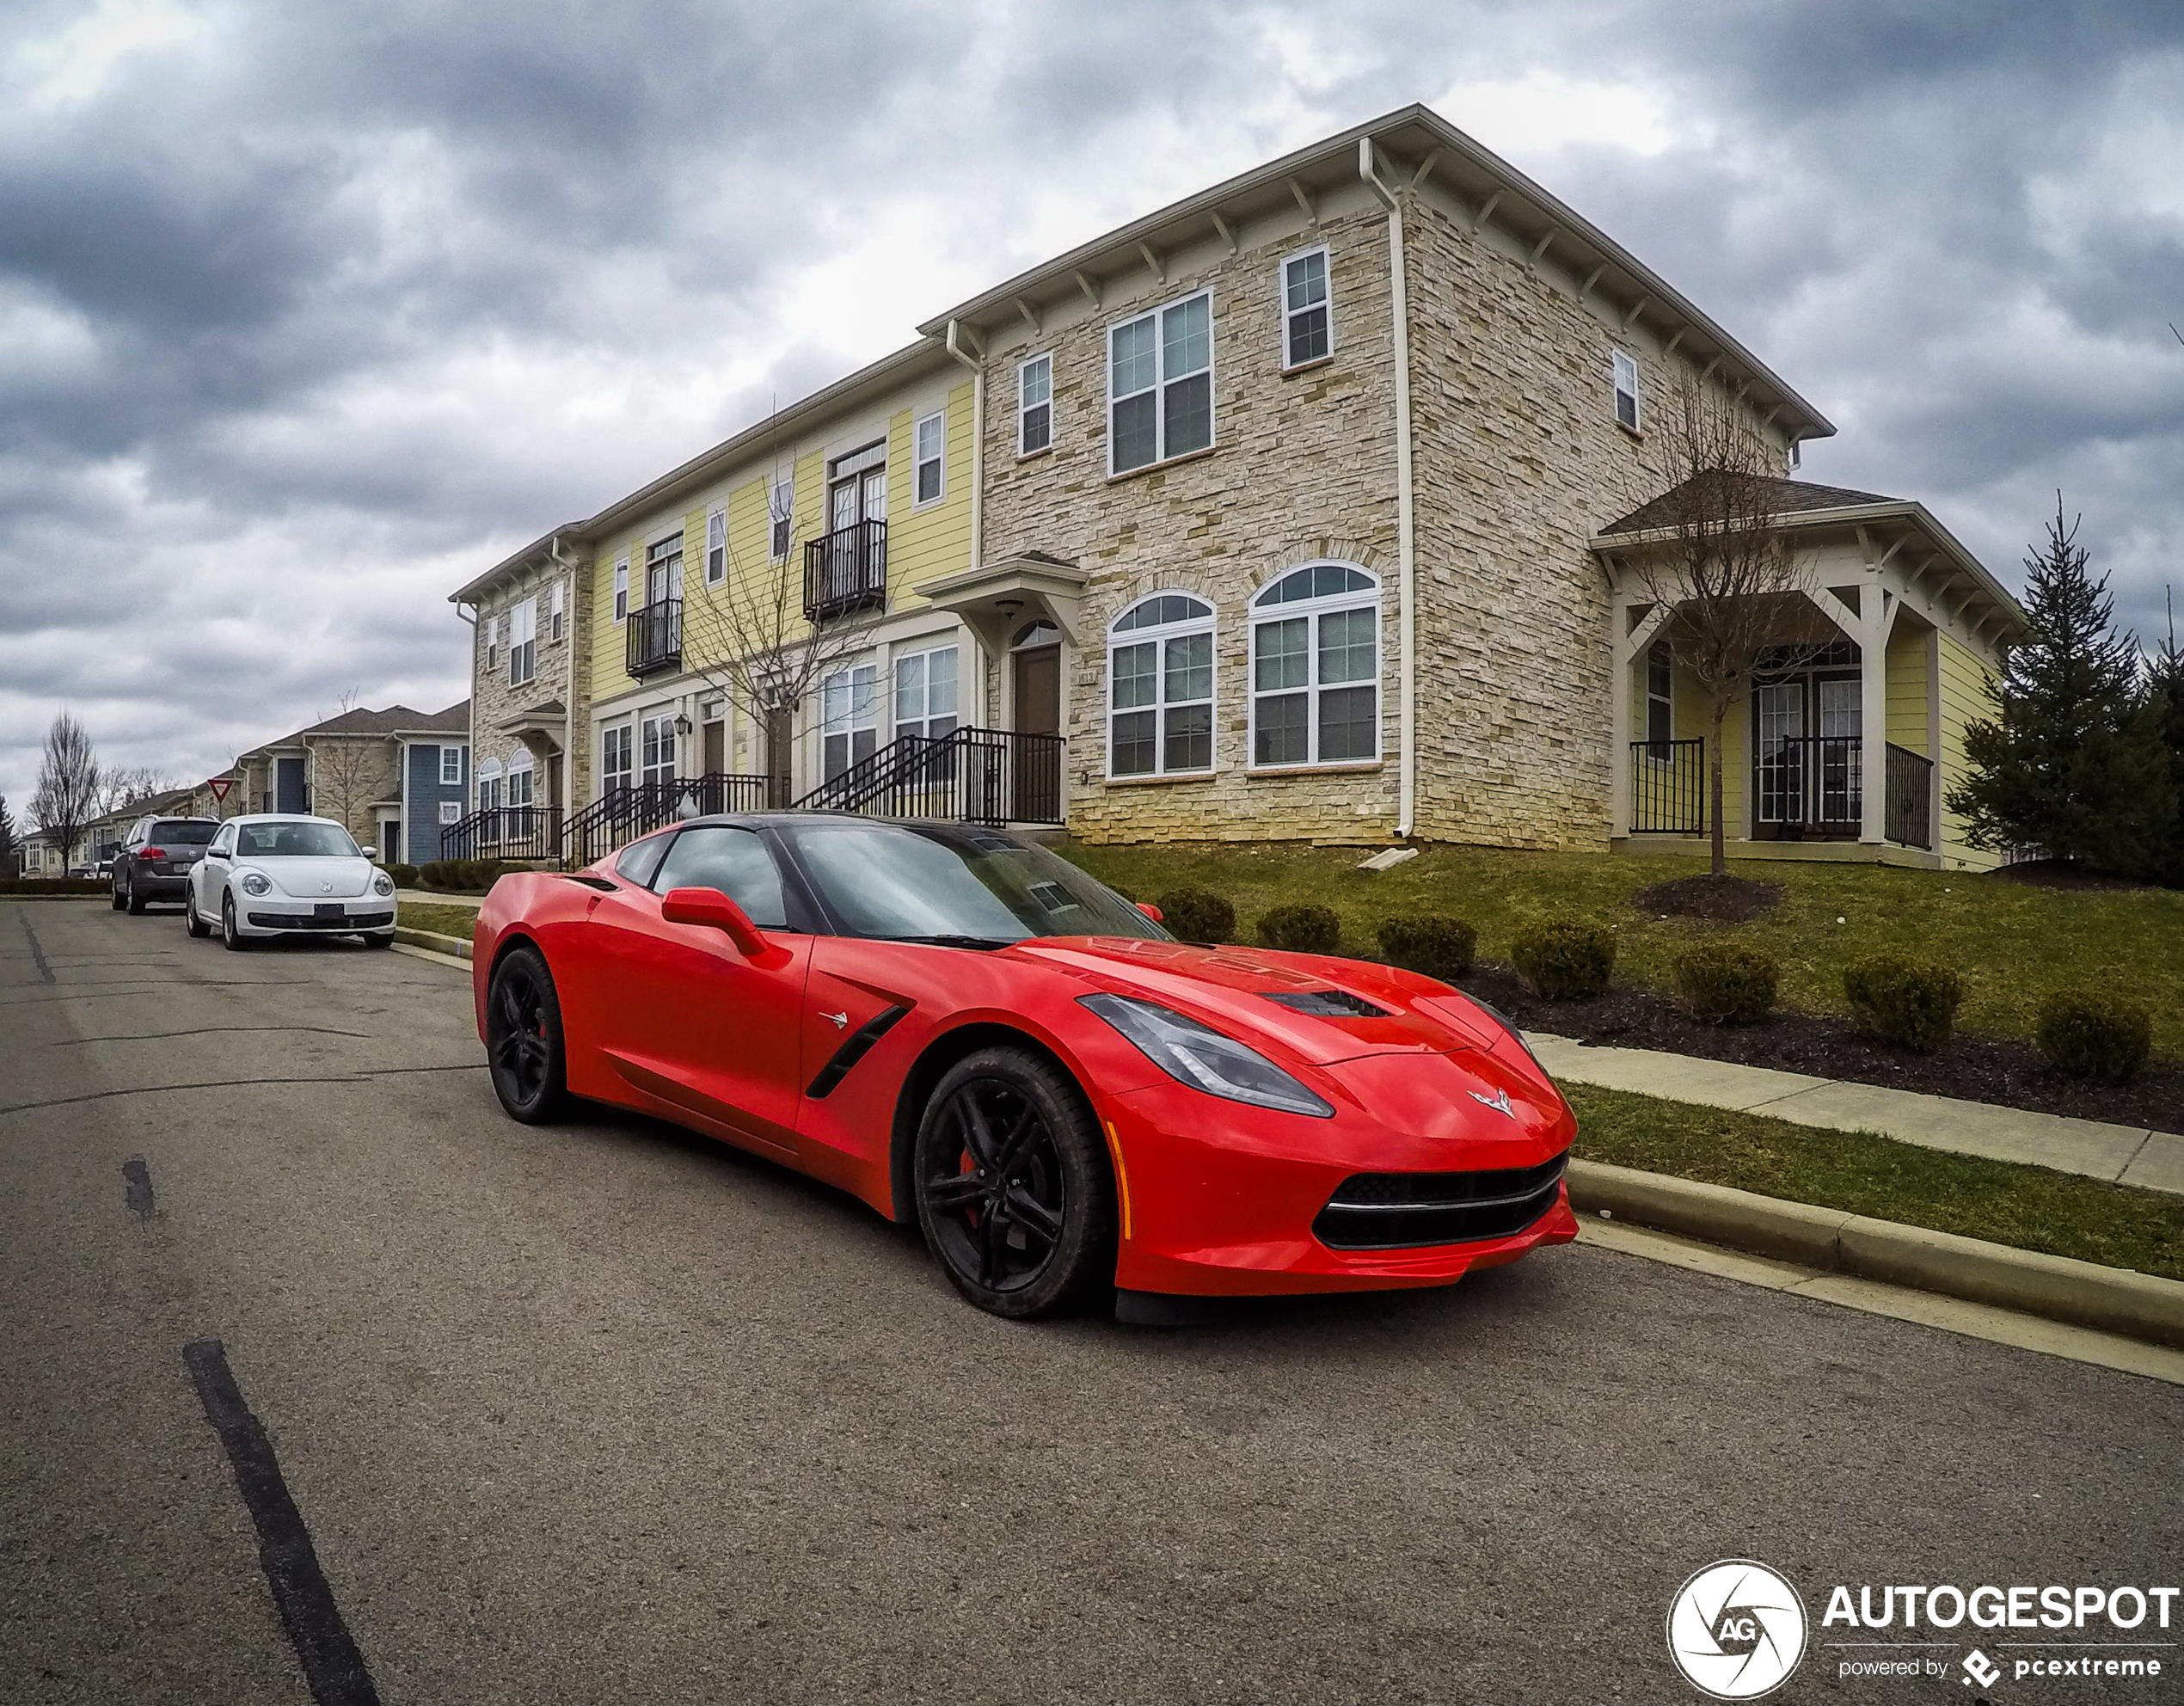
(383, 884)
(1200, 1055)
(256, 882)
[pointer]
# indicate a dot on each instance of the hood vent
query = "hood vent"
(1331, 1003)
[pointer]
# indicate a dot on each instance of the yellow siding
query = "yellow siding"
(1907, 686)
(922, 543)
(1964, 700)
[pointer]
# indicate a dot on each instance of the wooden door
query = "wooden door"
(1039, 690)
(1035, 783)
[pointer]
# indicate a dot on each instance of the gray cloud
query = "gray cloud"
(307, 313)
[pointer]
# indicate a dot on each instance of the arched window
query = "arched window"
(488, 784)
(1160, 687)
(1315, 667)
(519, 778)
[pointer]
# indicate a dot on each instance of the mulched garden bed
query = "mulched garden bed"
(1970, 1069)
(1724, 900)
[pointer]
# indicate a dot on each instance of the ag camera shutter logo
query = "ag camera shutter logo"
(1736, 1629)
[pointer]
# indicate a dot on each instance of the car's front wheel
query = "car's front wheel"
(378, 938)
(231, 937)
(195, 925)
(1015, 1192)
(523, 1039)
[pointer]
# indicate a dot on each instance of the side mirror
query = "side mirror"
(1151, 911)
(710, 908)
(369, 852)
(216, 852)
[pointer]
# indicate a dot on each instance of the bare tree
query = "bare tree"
(346, 772)
(1713, 553)
(67, 794)
(123, 786)
(749, 639)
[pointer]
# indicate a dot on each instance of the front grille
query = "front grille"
(1406, 1210)
(304, 921)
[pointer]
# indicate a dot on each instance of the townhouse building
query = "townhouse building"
(1315, 505)
(394, 778)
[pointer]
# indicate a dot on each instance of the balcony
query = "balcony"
(653, 637)
(845, 571)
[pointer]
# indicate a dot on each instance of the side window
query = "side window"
(1626, 379)
(1307, 333)
(1034, 405)
(640, 859)
(734, 860)
(931, 442)
(1160, 687)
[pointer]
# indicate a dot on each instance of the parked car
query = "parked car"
(274, 874)
(154, 860)
(970, 1032)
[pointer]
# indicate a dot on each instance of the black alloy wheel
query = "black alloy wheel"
(231, 938)
(523, 1039)
(1015, 1192)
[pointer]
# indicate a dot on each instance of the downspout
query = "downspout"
(568, 682)
(977, 366)
(1406, 622)
(470, 752)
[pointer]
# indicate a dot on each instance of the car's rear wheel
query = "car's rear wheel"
(195, 925)
(1015, 1192)
(136, 901)
(523, 1039)
(120, 900)
(231, 937)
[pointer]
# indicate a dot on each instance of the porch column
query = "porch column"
(1625, 642)
(1875, 618)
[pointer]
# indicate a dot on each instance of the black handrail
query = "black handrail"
(503, 832)
(1911, 797)
(983, 776)
(621, 815)
(846, 570)
(1667, 786)
(653, 638)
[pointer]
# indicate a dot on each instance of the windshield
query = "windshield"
(182, 834)
(294, 841)
(977, 886)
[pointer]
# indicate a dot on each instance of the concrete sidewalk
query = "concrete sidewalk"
(2129, 1155)
(433, 897)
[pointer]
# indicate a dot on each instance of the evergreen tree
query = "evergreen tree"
(7, 841)
(2165, 711)
(2070, 764)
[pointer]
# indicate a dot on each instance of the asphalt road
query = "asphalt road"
(607, 1413)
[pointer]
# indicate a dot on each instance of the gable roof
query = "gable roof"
(1792, 498)
(394, 720)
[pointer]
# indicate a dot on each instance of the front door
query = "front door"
(703, 1029)
(1781, 752)
(780, 737)
(1036, 787)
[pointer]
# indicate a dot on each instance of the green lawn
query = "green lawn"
(2032, 1208)
(459, 921)
(2012, 942)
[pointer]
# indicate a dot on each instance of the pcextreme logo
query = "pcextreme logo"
(1736, 1629)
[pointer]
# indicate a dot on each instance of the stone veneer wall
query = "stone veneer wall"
(495, 700)
(1303, 467)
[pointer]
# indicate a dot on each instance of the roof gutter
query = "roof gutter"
(1406, 620)
(978, 367)
(568, 681)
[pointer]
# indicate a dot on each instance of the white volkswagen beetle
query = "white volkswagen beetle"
(271, 875)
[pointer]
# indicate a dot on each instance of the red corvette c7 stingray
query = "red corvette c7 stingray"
(960, 1026)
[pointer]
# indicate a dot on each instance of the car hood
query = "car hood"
(1234, 988)
(314, 879)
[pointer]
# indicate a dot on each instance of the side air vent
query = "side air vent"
(1331, 1003)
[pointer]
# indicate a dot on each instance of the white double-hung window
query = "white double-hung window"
(451, 766)
(1307, 332)
(656, 736)
(1316, 668)
(554, 607)
(931, 444)
(925, 693)
(1160, 384)
(489, 786)
(1626, 383)
(615, 770)
(850, 709)
(781, 516)
(523, 642)
(1160, 687)
(519, 780)
(1034, 405)
(716, 547)
(621, 591)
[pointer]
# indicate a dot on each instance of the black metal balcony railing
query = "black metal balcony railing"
(621, 815)
(983, 776)
(1812, 782)
(1910, 802)
(1667, 786)
(504, 833)
(846, 570)
(653, 637)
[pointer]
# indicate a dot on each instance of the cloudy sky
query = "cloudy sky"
(310, 312)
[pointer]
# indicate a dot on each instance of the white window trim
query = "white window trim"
(621, 591)
(716, 527)
(1617, 359)
(451, 812)
(523, 618)
(879, 712)
(1282, 307)
(556, 605)
(629, 774)
(1160, 384)
(1207, 624)
(451, 751)
(917, 463)
(1312, 609)
(901, 655)
(781, 512)
(665, 721)
(1024, 409)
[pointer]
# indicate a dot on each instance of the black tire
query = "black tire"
(1015, 1195)
(196, 926)
(118, 899)
(378, 938)
(231, 938)
(136, 902)
(524, 1047)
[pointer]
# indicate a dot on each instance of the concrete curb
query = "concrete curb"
(2083, 1293)
(454, 947)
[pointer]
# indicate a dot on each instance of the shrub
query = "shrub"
(1902, 998)
(1727, 983)
(461, 875)
(405, 876)
(1564, 959)
(1433, 944)
(1197, 915)
(1302, 928)
(2090, 1034)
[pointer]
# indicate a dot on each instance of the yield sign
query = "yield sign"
(219, 785)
